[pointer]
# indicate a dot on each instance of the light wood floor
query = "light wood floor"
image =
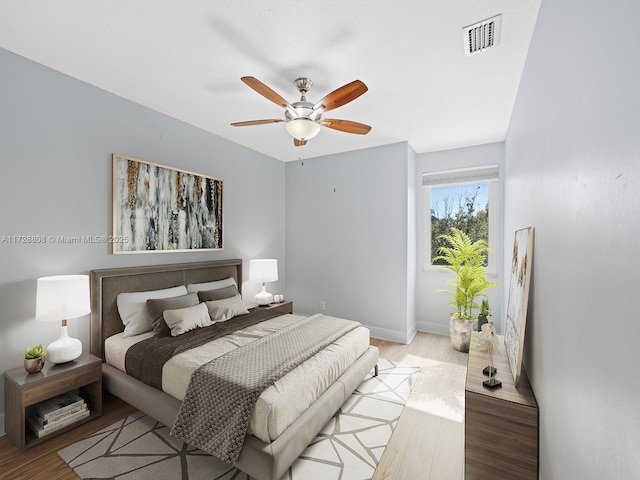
(427, 443)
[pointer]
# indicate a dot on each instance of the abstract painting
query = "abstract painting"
(518, 298)
(163, 209)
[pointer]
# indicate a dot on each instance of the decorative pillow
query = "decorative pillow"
(132, 308)
(182, 320)
(218, 284)
(221, 293)
(224, 309)
(157, 306)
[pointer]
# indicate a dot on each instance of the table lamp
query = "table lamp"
(263, 270)
(60, 298)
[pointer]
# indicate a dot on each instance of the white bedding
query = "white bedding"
(280, 404)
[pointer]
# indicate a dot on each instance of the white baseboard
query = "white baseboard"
(389, 335)
(435, 328)
(411, 333)
(2, 432)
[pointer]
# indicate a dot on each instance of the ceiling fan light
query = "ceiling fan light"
(302, 128)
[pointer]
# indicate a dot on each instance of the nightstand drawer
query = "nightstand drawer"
(61, 384)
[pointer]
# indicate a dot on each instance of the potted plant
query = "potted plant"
(465, 259)
(34, 359)
(485, 311)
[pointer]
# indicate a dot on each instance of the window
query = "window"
(464, 199)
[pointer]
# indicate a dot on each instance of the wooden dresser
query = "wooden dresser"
(501, 425)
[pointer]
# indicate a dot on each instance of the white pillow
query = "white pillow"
(181, 320)
(132, 308)
(196, 287)
(226, 308)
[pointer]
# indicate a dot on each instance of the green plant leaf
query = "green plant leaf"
(34, 352)
(465, 259)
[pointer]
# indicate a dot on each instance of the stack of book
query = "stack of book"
(56, 413)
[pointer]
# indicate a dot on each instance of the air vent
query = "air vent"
(481, 36)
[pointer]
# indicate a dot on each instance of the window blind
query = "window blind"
(462, 175)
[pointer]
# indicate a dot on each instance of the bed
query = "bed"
(262, 458)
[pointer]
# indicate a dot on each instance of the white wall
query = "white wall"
(56, 139)
(433, 309)
(573, 172)
(347, 243)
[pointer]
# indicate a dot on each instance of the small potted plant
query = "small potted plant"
(34, 359)
(485, 311)
(465, 259)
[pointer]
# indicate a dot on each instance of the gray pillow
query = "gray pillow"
(227, 308)
(157, 306)
(219, 294)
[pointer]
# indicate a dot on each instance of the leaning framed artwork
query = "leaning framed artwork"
(515, 324)
(162, 209)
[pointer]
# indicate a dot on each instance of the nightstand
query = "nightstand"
(284, 307)
(23, 390)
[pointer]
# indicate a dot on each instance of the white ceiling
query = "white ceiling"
(185, 59)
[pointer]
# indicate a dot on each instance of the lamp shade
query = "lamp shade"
(62, 297)
(263, 270)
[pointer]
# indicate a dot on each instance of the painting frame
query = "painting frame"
(518, 300)
(160, 209)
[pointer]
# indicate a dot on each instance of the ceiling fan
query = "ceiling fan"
(304, 119)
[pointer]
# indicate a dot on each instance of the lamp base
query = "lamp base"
(263, 298)
(64, 349)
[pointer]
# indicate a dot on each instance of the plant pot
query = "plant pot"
(460, 332)
(33, 365)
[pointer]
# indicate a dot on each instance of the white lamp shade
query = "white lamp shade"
(264, 270)
(62, 297)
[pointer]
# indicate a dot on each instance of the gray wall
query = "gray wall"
(573, 172)
(56, 139)
(347, 220)
(433, 309)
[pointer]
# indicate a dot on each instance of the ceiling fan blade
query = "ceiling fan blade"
(256, 122)
(341, 96)
(265, 91)
(346, 126)
(299, 143)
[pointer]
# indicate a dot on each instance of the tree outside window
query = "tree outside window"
(461, 198)
(464, 206)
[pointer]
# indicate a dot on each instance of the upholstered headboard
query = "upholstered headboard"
(106, 284)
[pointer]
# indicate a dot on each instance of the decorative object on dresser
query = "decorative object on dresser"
(466, 259)
(163, 209)
(30, 418)
(34, 359)
(515, 324)
(263, 270)
(488, 341)
(60, 298)
(501, 425)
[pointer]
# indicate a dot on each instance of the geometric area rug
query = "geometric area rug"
(349, 447)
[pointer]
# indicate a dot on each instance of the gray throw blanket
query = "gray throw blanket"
(221, 396)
